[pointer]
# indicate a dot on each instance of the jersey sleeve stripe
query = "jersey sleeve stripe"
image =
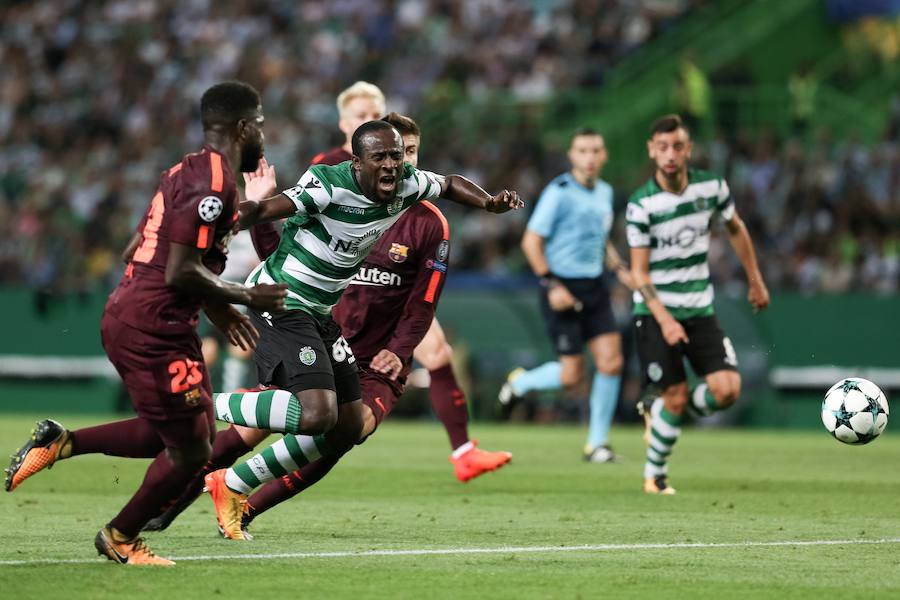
(203, 236)
(215, 164)
(431, 292)
(175, 169)
(440, 216)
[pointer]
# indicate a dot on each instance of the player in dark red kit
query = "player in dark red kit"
(149, 325)
(383, 314)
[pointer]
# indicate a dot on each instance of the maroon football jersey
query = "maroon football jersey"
(390, 303)
(196, 205)
(332, 157)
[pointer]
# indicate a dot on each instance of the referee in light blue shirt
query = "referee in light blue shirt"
(567, 247)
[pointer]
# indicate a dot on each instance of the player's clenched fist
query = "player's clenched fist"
(504, 201)
(268, 297)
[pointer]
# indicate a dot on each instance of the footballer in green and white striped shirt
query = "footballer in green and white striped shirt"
(335, 216)
(669, 219)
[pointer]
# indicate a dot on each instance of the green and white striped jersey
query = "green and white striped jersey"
(325, 242)
(676, 229)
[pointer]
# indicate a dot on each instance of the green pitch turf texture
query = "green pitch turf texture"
(397, 492)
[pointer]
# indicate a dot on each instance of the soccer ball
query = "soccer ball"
(855, 411)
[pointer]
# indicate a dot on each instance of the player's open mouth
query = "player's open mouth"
(387, 182)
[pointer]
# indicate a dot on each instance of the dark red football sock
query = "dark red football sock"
(134, 438)
(228, 447)
(164, 480)
(286, 487)
(449, 404)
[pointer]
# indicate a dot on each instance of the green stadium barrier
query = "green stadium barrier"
(789, 354)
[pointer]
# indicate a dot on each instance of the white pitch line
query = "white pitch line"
(496, 550)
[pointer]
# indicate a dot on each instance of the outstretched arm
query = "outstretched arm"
(186, 272)
(463, 191)
(758, 294)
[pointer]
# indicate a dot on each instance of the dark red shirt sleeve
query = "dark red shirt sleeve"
(206, 198)
(265, 239)
(418, 313)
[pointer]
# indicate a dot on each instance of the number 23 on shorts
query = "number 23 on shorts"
(186, 373)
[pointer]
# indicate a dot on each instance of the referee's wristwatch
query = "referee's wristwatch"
(548, 281)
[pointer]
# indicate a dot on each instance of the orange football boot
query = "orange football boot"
(39, 453)
(229, 505)
(133, 552)
(474, 462)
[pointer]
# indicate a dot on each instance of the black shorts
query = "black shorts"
(570, 330)
(297, 352)
(662, 365)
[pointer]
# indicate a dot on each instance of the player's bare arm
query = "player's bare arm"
(758, 293)
(558, 295)
(185, 271)
(672, 330)
(463, 191)
(133, 244)
(615, 264)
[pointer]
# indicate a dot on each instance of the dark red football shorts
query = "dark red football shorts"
(378, 393)
(164, 375)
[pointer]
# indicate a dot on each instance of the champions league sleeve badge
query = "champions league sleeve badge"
(210, 208)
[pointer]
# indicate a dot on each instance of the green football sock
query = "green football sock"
(284, 456)
(665, 427)
(277, 410)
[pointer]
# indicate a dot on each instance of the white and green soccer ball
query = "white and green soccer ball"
(855, 411)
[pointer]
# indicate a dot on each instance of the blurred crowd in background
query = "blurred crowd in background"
(97, 98)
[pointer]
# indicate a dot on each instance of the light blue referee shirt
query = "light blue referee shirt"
(574, 222)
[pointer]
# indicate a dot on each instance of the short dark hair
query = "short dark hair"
(226, 103)
(405, 125)
(668, 124)
(583, 131)
(366, 128)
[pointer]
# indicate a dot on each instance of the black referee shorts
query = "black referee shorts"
(570, 330)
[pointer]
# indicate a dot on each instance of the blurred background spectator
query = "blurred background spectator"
(97, 98)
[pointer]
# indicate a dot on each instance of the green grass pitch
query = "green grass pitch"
(397, 492)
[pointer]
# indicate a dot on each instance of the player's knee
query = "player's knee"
(675, 398)
(443, 356)
(436, 356)
(610, 365)
(727, 390)
(318, 411)
(570, 378)
(191, 456)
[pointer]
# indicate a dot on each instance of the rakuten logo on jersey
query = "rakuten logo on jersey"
(376, 276)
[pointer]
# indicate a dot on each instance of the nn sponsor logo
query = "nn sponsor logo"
(685, 237)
